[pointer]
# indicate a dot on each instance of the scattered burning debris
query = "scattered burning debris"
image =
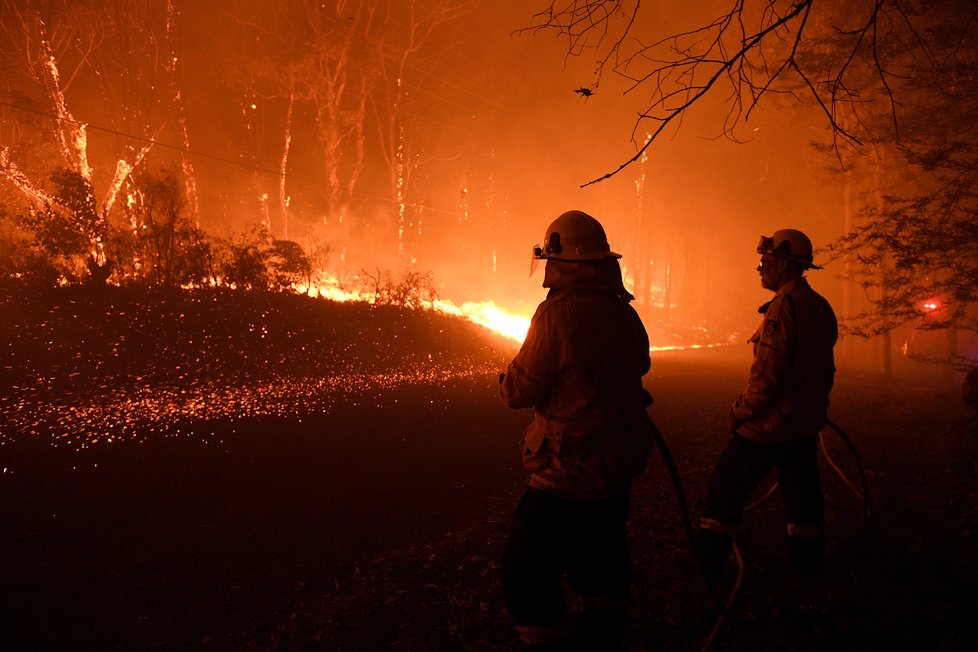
(86, 369)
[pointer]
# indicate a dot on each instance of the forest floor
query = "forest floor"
(221, 472)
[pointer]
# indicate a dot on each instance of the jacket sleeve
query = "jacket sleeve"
(773, 347)
(533, 371)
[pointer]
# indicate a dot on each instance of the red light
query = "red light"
(930, 305)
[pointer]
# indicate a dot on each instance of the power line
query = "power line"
(153, 141)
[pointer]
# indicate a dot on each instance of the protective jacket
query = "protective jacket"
(787, 394)
(581, 369)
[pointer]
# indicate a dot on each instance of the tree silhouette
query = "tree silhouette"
(68, 227)
(813, 50)
(915, 235)
(168, 249)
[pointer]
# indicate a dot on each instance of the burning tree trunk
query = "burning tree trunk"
(847, 283)
(640, 262)
(89, 38)
(189, 175)
(334, 77)
(311, 60)
(886, 343)
(69, 133)
(406, 39)
(283, 197)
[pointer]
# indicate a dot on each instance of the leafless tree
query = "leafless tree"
(172, 68)
(840, 55)
(408, 27)
(334, 76)
(913, 239)
(313, 59)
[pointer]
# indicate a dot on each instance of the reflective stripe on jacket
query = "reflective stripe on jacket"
(787, 394)
(581, 369)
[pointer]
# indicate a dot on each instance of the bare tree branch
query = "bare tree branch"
(689, 64)
(754, 48)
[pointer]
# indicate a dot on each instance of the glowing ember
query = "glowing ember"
(139, 413)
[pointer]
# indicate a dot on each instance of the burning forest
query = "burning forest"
(263, 266)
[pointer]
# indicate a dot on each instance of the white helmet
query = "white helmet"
(574, 235)
(788, 243)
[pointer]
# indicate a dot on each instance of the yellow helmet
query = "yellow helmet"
(574, 235)
(788, 243)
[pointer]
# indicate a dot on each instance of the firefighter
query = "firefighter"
(775, 422)
(580, 369)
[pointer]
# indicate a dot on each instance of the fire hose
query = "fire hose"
(724, 607)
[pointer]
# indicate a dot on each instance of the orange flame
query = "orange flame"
(484, 313)
(510, 325)
(488, 315)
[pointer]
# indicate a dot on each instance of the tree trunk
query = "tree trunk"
(283, 198)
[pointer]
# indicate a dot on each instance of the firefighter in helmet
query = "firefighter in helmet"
(776, 421)
(580, 369)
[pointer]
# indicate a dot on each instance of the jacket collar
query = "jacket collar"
(799, 283)
(603, 275)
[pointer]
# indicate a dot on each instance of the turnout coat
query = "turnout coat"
(787, 394)
(580, 369)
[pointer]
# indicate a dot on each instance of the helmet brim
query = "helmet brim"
(583, 257)
(807, 264)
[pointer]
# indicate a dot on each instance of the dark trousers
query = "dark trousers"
(552, 535)
(742, 466)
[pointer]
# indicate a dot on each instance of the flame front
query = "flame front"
(488, 315)
(483, 313)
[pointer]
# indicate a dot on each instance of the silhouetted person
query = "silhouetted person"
(775, 423)
(580, 369)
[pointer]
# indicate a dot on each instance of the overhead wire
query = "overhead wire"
(493, 114)
(493, 123)
(201, 154)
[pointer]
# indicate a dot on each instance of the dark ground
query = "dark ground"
(377, 522)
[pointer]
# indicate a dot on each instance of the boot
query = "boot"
(807, 555)
(553, 646)
(599, 631)
(712, 551)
